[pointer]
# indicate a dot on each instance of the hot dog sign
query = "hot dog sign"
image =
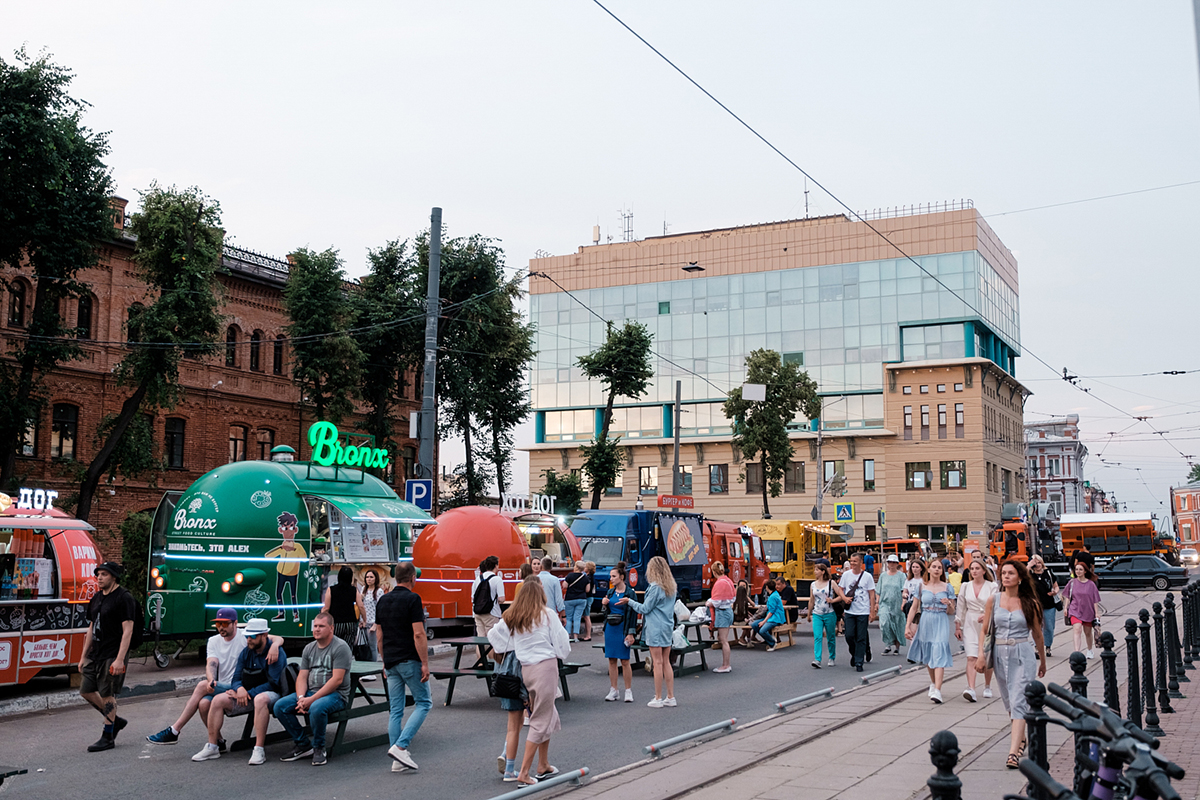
(684, 542)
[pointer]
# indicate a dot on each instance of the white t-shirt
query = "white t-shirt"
(226, 654)
(861, 603)
(497, 592)
(548, 640)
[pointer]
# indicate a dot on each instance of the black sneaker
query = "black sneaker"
(165, 736)
(222, 746)
(319, 756)
(105, 742)
(859, 668)
(298, 752)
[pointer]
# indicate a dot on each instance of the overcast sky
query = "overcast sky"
(341, 125)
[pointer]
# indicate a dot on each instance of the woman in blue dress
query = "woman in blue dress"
(620, 626)
(931, 636)
(658, 617)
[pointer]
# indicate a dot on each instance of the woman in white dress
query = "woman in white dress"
(968, 621)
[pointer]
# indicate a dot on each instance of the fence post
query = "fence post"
(1133, 686)
(1193, 620)
(1152, 726)
(1035, 730)
(943, 752)
(1160, 668)
(1078, 681)
(1108, 659)
(1185, 609)
(1174, 649)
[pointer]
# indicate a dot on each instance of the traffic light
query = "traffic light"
(837, 485)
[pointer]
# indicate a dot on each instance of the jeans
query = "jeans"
(318, 717)
(406, 673)
(575, 611)
(1049, 617)
(856, 637)
(824, 627)
(763, 629)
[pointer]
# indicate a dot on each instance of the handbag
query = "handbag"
(989, 642)
(506, 681)
(361, 649)
(615, 619)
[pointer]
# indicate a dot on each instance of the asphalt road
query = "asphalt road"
(456, 747)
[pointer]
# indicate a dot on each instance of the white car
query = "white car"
(1189, 557)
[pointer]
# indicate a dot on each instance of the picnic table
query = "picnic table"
(8, 772)
(696, 644)
(484, 666)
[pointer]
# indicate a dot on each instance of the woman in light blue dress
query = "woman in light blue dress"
(658, 623)
(931, 636)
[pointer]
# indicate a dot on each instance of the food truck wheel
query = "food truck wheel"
(161, 660)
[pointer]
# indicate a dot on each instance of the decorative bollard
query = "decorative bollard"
(1108, 659)
(1185, 610)
(1160, 668)
(1175, 674)
(943, 752)
(1078, 681)
(1193, 619)
(1133, 686)
(1035, 731)
(1148, 702)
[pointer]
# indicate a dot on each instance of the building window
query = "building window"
(906, 390)
(1053, 466)
(1183, 502)
(754, 478)
(237, 443)
(868, 475)
(794, 358)
(685, 480)
(958, 387)
(131, 317)
(176, 433)
(409, 456)
(924, 416)
(16, 304)
(28, 446)
(255, 351)
(1005, 484)
(664, 307)
(941, 387)
(618, 487)
(1057, 501)
(718, 478)
(266, 443)
(917, 475)
(793, 478)
(941, 415)
(64, 431)
(924, 390)
(277, 359)
(954, 474)
(647, 480)
(83, 317)
(1186, 531)
(833, 469)
(231, 347)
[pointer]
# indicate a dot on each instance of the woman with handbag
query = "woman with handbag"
(658, 612)
(345, 602)
(620, 627)
(721, 604)
(968, 621)
(1049, 596)
(537, 637)
(931, 635)
(1008, 642)
(1083, 606)
(823, 593)
(576, 589)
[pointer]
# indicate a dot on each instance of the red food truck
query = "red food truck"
(47, 576)
(739, 549)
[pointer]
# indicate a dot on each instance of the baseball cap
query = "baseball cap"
(226, 615)
(256, 626)
(111, 567)
(894, 557)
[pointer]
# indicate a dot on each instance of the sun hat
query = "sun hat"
(256, 626)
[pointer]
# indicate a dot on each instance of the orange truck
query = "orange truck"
(739, 549)
(1108, 536)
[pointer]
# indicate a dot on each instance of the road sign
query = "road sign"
(419, 492)
(843, 512)
(675, 501)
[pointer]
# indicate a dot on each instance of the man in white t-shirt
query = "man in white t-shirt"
(221, 658)
(859, 586)
(486, 621)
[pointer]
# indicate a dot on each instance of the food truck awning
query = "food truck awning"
(28, 522)
(377, 509)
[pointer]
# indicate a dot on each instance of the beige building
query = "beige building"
(914, 362)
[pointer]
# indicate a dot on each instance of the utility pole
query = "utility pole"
(676, 478)
(432, 309)
(820, 472)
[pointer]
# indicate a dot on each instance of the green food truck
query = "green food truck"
(262, 537)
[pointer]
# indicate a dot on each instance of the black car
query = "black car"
(1140, 572)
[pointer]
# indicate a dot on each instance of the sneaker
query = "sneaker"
(655, 703)
(105, 742)
(723, 670)
(1048, 653)
(987, 691)
(771, 649)
(165, 736)
(832, 663)
(669, 702)
(929, 693)
(259, 756)
(207, 753)
(816, 665)
(1089, 654)
(969, 694)
(572, 640)
(367, 678)
(859, 668)
(221, 745)
(319, 758)
(398, 767)
(936, 696)
(400, 754)
(510, 777)
(629, 695)
(612, 695)
(298, 752)
(501, 763)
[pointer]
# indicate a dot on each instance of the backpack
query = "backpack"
(483, 601)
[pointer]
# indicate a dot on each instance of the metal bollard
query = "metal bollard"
(943, 752)
(1174, 646)
(1185, 609)
(1108, 659)
(1160, 668)
(1133, 686)
(1035, 724)
(1078, 681)
(1148, 703)
(1193, 620)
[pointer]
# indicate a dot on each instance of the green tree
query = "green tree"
(135, 554)
(761, 428)
(54, 190)
(622, 365)
(326, 360)
(502, 397)
(567, 491)
(178, 257)
(1194, 474)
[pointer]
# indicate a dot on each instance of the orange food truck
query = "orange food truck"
(739, 549)
(47, 564)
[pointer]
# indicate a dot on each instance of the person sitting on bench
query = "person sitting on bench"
(322, 687)
(774, 618)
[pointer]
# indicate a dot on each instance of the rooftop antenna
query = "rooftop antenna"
(806, 197)
(666, 225)
(626, 224)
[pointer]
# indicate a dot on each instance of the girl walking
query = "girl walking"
(968, 621)
(891, 618)
(658, 614)
(577, 588)
(1083, 605)
(931, 636)
(821, 593)
(590, 568)
(721, 605)
(1048, 595)
(620, 626)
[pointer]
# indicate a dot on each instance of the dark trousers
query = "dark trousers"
(856, 637)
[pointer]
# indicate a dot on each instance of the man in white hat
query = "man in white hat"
(257, 684)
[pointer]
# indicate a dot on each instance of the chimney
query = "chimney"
(117, 204)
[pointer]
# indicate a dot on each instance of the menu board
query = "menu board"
(365, 541)
(683, 539)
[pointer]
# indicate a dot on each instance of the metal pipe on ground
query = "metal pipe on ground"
(574, 776)
(656, 748)
(804, 698)
(883, 673)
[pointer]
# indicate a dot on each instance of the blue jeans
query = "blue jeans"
(1049, 617)
(406, 673)
(824, 628)
(318, 717)
(575, 610)
(764, 629)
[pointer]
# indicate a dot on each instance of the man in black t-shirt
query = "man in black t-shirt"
(400, 632)
(1084, 555)
(112, 613)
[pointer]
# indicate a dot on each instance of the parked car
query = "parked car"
(1140, 572)
(1189, 557)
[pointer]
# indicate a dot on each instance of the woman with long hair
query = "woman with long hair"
(912, 586)
(538, 638)
(1048, 594)
(743, 607)
(1019, 655)
(620, 628)
(590, 568)
(658, 613)
(721, 606)
(969, 619)
(373, 588)
(576, 589)
(1083, 605)
(345, 602)
(821, 594)
(931, 634)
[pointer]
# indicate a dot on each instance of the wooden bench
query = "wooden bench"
(783, 633)
(565, 668)
(8, 772)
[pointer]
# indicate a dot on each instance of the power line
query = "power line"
(1100, 197)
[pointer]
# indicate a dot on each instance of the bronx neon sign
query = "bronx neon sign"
(328, 450)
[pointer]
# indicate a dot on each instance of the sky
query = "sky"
(341, 126)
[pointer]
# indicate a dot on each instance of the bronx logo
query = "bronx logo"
(182, 523)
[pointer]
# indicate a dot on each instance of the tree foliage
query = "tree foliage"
(135, 552)
(54, 188)
(760, 428)
(622, 365)
(1194, 474)
(567, 491)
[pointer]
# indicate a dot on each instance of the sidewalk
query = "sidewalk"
(866, 743)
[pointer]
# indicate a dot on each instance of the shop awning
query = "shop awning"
(377, 509)
(28, 522)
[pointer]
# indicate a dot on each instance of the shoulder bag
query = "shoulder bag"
(615, 617)
(989, 640)
(506, 681)
(845, 604)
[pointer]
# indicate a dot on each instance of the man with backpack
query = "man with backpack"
(487, 593)
(112, 622)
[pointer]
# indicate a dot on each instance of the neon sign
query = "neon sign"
(328, 451)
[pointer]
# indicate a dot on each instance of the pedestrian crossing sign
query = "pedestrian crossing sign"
(844, 512)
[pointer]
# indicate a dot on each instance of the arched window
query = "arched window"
(237, 442)
(255, 351)
(131, 326)
(231, 338)
(64, 431)
(17, 295)
(277, 363)
(83, 319)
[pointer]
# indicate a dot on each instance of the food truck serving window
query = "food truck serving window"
(361, 529)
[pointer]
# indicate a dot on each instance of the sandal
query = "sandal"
(547, 773)
(1013, 761)
(1021, 750)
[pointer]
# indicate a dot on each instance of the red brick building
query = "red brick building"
(237, 405)
(1185, 512)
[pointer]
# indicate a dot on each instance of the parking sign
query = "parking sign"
(844, 512)
(419, 492)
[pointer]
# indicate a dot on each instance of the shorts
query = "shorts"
(723, 618)
(237, 711)
(1078, 621)
(218, 688)
(98, 679)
